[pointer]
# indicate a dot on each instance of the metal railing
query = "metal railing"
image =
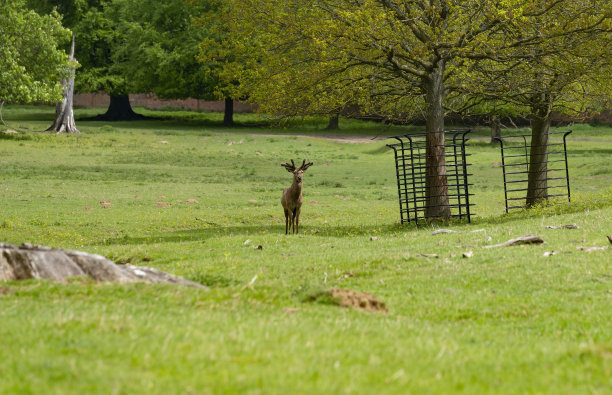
(411, 170)
(515, 157)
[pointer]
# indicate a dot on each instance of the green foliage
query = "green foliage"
(96, 38)
(127, 46)
(31, 64)
(159, 48)
(376, 57)
(319, 56)
(564, 67)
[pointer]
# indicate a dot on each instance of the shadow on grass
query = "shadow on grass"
(249, 231)
(589, 202)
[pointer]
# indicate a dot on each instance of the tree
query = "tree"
(31, 64)
(562, 64)
(64, 115)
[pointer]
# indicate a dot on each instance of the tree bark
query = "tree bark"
(228, 116)
(334, 122)
(537, 184)
(495, 128)
(64, 115)
(119, 109)
(436, 193)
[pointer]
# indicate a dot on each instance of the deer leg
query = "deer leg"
(297, 220)
(286, 221)
(294, 217)
(290, 221)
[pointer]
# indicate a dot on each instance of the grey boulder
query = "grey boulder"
(37, 262)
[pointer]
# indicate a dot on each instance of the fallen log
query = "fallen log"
(527, 239)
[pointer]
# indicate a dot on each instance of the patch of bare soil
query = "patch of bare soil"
(350, 299)
(357, 300)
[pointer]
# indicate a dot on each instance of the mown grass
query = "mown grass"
(505, 321)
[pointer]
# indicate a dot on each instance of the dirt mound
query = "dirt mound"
(347, 298)
(357, 300)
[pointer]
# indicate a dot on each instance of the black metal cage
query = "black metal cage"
(515, 166)
(411, 171)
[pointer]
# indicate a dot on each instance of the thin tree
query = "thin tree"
(64, 115)
(559, 60)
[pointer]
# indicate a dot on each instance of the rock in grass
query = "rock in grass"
(468, 254)
(37, 262)
(527, 239)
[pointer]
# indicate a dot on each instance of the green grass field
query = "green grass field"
(507, 320)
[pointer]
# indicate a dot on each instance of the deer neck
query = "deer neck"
(296, 188)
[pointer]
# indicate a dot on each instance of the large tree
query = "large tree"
(31, 62)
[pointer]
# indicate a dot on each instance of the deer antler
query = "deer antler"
(290, 167)
(305, 165)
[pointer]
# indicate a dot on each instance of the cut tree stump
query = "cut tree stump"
(37, 262)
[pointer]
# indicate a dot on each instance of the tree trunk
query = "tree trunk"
(537, 184)
(64, 116)
(119, 109)
(436, 193)
(495, 128)
(334, 122)
(228, 116)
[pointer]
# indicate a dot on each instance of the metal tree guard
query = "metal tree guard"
(411, 172)
(515, 157)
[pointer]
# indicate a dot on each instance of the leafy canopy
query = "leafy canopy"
(159, 47)
(378, 54)
(31, 63)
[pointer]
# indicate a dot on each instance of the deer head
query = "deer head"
(298, 173)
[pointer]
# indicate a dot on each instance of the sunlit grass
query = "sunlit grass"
(504, 321)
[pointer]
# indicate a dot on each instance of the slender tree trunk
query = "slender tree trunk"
(495, 128)
(436, 194)
(64, 115)
(537, 184)
(334, 122)
(228, 116)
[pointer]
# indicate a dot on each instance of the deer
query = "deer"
(292, 196)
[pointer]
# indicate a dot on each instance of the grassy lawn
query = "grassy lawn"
(184, 195)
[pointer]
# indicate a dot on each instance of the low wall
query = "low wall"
(152, 102)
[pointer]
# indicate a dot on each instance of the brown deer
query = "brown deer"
(292, 196)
